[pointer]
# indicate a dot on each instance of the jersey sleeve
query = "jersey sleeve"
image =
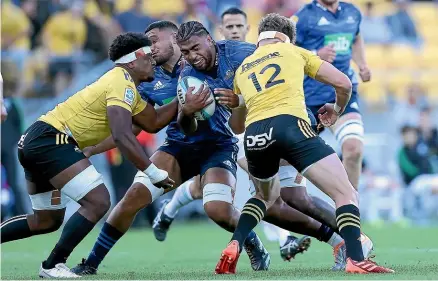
(312, 62)
(359, 17)
(123, 94)
(300, 20)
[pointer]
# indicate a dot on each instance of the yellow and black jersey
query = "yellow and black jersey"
(84, 115)
(271, 81)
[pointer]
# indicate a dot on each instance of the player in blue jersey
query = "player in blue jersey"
(234, 27)
(330, 28)
(210, 152)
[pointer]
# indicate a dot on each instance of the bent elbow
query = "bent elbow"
(344, 84)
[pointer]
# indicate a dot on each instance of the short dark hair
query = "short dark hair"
(233, 11)
(408, 128)
(162, 24)
(276, 22)
(189, 29)
(127, 43)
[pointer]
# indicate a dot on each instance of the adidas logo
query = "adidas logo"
(228, 163)
(158, 85)
(354, 105)
(323, 21)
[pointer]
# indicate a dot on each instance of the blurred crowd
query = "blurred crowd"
(47, 44)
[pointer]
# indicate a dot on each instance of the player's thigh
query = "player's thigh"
(51, 157)
(218, 174)
(329, 175)
(48, 204)
(263, 155)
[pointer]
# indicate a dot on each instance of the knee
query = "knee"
(352, 150)
(136, 198)
(98, 201)
(48, 225)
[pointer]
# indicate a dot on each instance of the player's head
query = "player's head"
(196, 45)
(163, 37)
(329, 2)
(277, 28)
(133, 52)
(234, 25)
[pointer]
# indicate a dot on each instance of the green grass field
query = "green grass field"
(192, 250)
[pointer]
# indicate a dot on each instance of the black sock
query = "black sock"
(348, 220)
(108, 236)
(75, 230)
(14, 229)
(252, 213)
(324, 233)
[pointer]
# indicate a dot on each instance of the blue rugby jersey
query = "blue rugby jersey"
(318, 27)
(163, 89)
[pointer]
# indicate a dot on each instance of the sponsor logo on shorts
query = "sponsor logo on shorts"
(78, 150)
(354, 105)
(228, 163)
(260, 141)
(129, 96)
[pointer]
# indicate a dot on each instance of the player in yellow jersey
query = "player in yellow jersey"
(270, 83)
(55, 167)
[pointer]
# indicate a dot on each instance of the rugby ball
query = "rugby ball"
(189, 81)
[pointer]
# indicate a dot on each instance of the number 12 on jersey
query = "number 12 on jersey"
(271, 81)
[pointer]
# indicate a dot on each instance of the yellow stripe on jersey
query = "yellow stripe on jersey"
(271, 81)
(84, 115)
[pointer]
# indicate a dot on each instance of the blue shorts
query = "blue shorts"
(195, 160)
(352, 106)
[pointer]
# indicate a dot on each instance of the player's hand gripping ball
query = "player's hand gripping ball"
(196, 98)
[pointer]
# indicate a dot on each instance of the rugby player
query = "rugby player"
(278, 126)
(234, 26)
(210, 153)
(330, 29)
(55, 167)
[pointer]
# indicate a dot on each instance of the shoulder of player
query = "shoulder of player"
(117, 77)
(349, 6)
(232, 48)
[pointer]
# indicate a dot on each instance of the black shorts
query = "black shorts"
(282, 137)
(44, 152)
(196, 159)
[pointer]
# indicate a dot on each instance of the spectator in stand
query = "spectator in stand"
(285, 8)
(429, 136)
(15, 37)
(417, 172)
(413, 157)
(64, 37)
(134, 20)
(198, 10)
(29, 7)
(402, 26)
(380, 192)
(374, 29)
(11, 133)
(407, 111)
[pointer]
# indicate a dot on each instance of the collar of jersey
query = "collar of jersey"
(324, 8)
(176, 69)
